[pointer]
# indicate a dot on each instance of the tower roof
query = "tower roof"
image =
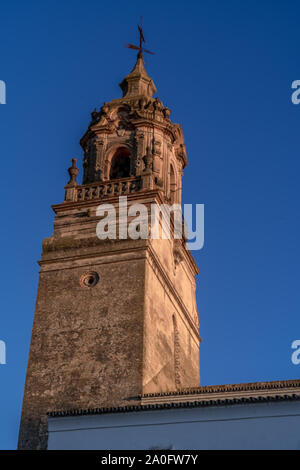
(138, 82)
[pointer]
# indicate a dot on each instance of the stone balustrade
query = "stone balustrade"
(103, 189)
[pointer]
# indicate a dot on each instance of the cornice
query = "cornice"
(276, 384)
(167, 406)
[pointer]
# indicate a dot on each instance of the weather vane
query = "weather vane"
(139, 48)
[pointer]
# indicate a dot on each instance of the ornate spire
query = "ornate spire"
(138, 82)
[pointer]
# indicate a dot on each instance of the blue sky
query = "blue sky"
(225, 69)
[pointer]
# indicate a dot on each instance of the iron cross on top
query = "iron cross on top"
(140, 48)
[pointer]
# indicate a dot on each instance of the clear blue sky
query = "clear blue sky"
(225, 70)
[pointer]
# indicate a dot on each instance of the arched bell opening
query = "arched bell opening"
(120, 164)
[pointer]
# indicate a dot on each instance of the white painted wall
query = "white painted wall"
(273, 425)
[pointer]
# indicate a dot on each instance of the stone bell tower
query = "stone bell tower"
(114, 319)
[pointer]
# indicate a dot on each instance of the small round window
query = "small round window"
(89, 279)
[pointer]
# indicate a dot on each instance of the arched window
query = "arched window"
(120, 164)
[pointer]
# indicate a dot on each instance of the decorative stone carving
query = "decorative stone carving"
(72, 184)
(99, 160)
(157, 105)
(73, 172)
(148, 160)
(166, 112)
(142, 103)
(176, 354)
(139, 145)
(156, 147)
(95, 116)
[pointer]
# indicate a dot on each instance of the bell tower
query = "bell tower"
(114, 318)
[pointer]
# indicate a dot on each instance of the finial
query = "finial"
(73, 172)
(140, 48)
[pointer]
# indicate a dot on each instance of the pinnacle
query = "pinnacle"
(138, 82)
